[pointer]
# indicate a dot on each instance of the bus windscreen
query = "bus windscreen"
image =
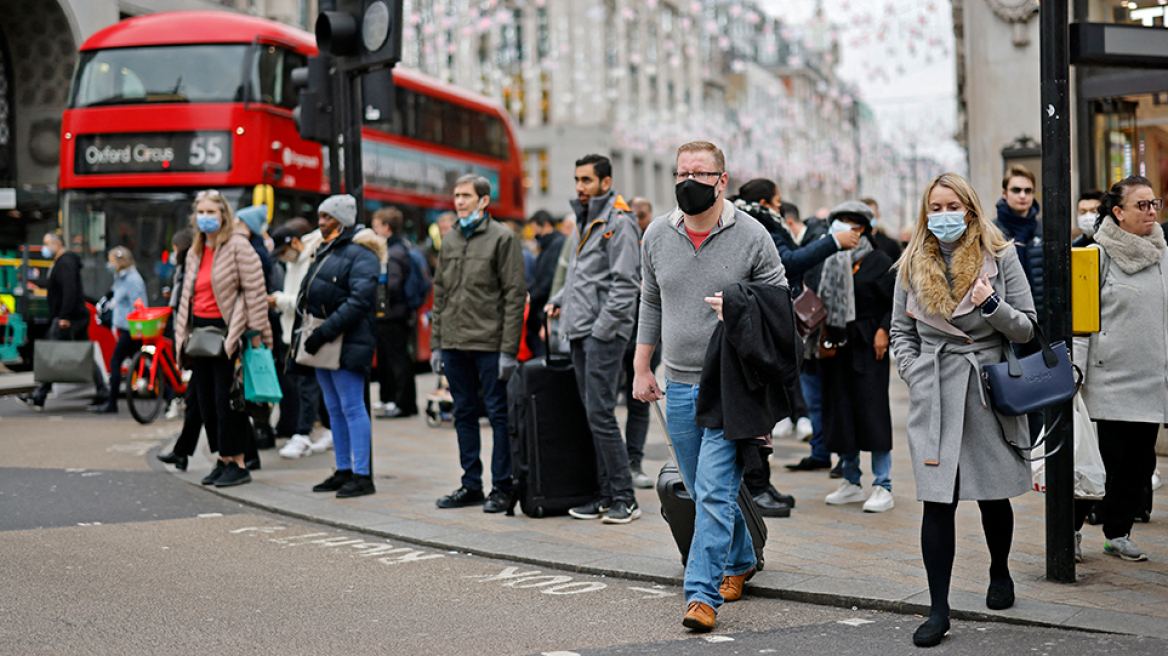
(167, 74)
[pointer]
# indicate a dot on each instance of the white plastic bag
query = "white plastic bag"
(1090, 475)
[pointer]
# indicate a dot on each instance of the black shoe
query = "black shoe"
(32, 401)
(594, 509)
(172, 458)
(265, 438)
(498, 501)
(810, 464)
(837, 471)
(253, 464)
(357, 486)
(233, 475)
(210, 479)
(461, 498)
(103, 409)
(334, 482)
(768, 507)
(931, 632)
(1000, 595)
(780, 497)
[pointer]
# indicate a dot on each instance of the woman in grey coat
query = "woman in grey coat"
(1125, 364)
(961, 297)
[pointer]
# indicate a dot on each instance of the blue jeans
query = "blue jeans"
(881, 468)
(812, 394)
(466, 372)
(344, 396)
(711, 470)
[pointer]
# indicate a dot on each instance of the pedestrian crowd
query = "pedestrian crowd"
(763, 325)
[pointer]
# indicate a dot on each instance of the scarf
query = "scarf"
(770, 219)
(1019, 228)
(1132, 253)
(837, 285)
(940, 288)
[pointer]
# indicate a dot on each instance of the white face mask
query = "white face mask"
(840, 226)
(1087, 223)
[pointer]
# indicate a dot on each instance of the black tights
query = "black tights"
(938, 544)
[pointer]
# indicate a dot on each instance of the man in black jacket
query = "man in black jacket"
(395, 369)
(69, 317)
(551, 243)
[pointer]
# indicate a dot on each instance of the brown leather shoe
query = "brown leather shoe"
(731, 588)
(699, 617)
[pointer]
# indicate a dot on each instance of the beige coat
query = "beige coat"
(237, 280)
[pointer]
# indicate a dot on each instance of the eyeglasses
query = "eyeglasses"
(1144, 205)
(700, 176)
(1019, 190)
(209, 193)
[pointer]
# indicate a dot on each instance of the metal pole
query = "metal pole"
(1056, 259)
(354, 176)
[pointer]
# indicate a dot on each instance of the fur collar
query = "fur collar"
(374, 242)
(930, 279)
(1131, 253)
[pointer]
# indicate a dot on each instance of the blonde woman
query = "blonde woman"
(223, 287)
(128, 287)
(961, 294)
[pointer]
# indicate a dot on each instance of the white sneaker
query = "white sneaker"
(783, 429)
(378, 405)
(847, 493)
(880, 501)
(803, 429)
(175, 409)
(297, 447)
(324, 443)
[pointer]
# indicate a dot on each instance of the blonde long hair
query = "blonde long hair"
(992, 239)
(226, 226)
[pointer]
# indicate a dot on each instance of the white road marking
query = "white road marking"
(74, 470)
(321, 539)
(855, 622)
(717, 639)
(209, 515)
(138, 448)
(89, 523)
(654, 594)
(559, 653)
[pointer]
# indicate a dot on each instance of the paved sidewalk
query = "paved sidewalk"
(821, 554)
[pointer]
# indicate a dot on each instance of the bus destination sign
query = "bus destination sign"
(152, 152)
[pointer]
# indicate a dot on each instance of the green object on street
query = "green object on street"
(260, 382)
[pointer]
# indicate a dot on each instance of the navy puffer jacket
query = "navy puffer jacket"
(1027, 235)
(341, 288)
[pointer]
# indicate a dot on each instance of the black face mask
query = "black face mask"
(694, 197)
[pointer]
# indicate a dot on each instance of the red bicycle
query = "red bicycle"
(153, 368)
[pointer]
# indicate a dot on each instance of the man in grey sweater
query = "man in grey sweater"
(687, 258)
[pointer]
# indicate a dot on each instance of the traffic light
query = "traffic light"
(314, 114)
(362, 34)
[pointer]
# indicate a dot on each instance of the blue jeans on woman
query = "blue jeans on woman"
(344, 396)
(710, 468)
(881, 468)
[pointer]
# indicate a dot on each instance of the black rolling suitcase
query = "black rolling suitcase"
(677, 507)
(553, 458)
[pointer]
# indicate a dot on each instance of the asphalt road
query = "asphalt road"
(101, 553)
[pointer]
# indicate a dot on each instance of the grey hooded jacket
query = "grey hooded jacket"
(600, 291)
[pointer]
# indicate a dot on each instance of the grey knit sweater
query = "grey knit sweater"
(676, 278)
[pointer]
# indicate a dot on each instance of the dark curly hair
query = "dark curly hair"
(1116, 195)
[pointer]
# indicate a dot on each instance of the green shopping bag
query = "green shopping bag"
(260, 382)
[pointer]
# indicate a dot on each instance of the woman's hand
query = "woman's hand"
(880, 343)
(981, 289)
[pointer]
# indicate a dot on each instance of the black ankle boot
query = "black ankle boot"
(172, 458)
(931, 632)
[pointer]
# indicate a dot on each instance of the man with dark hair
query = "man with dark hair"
(884, 243)
(1088, 214)
(551, 243)
(477, 323)
(68, 316)
(600, 290)
(395, 371)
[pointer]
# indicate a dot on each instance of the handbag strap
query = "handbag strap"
(1019, 449)
(1014, 367)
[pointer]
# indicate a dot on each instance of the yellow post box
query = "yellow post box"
(1084, 291)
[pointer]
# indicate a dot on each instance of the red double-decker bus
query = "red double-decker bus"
(164, 105)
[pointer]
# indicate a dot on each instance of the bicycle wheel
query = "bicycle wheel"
(144, 400)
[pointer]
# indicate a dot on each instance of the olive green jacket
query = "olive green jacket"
(479, 290)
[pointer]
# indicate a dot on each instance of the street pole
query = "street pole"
(1056, 259)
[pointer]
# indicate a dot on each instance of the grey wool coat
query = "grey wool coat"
(951, 424)
(1125, 364)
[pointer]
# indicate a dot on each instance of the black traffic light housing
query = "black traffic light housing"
(362, 34)
(314, 115)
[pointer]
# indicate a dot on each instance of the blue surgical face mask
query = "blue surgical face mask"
(947, 226)
(469, 221)
(112, 267)
(47, 252)
(840, 226)
(208, 223)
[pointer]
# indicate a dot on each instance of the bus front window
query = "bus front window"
(124, 76)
